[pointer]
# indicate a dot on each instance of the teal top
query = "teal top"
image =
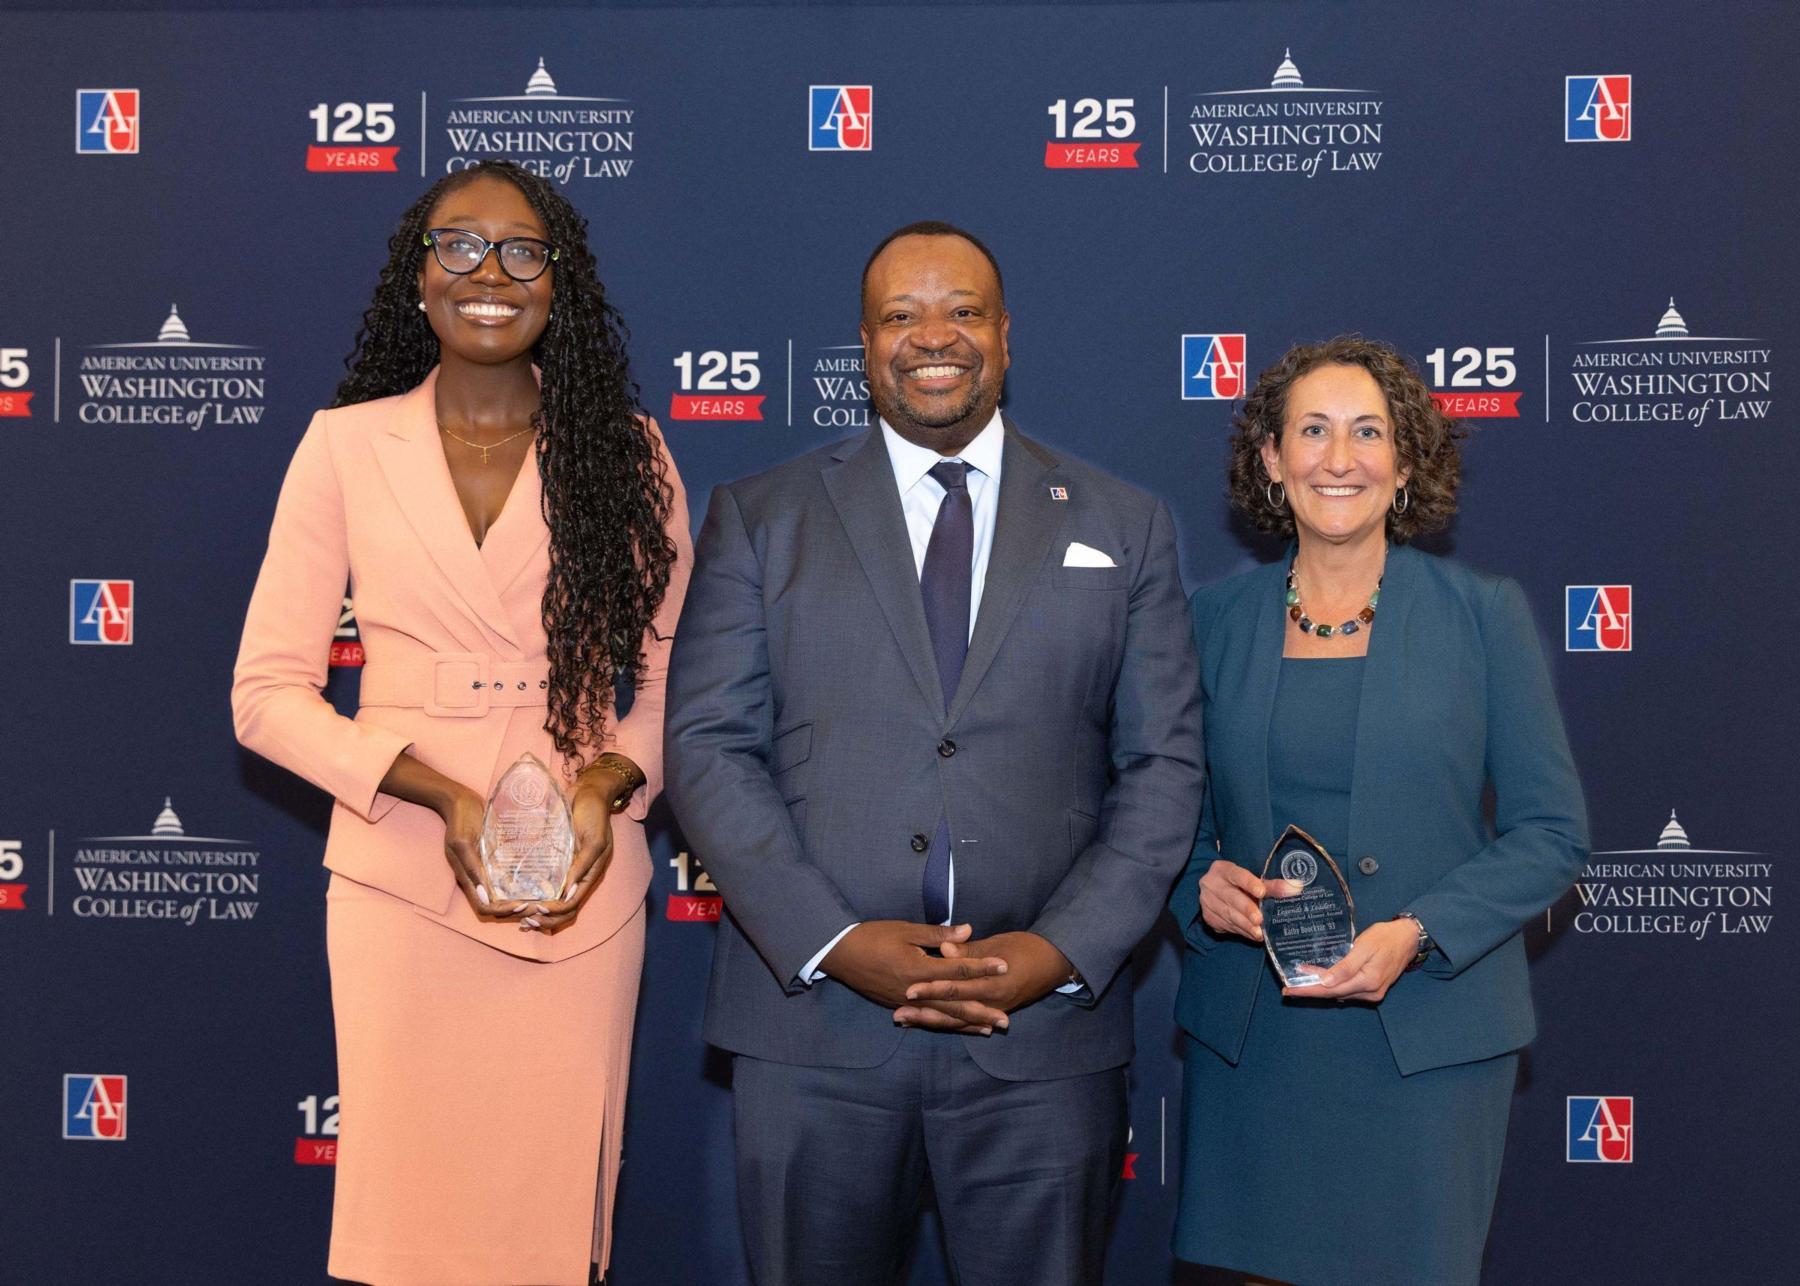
(1312, 749)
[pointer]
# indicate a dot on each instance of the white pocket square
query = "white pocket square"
(1081, 555)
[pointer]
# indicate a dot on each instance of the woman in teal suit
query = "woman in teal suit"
(1351, 1130)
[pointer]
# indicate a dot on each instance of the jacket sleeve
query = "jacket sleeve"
(1540, 822)
(1184, 898)
(639, 735)
(1118, 884)
(717, 749)
(277, 704)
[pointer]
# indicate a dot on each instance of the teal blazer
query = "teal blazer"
(1456, 697)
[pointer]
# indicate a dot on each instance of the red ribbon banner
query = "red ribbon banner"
(12, 897)
(309, 1151)
(15, 404)
(1478, 406)
(346, 653)
(1090, 156)
(715, 406)
(694, 907)
(352, 160)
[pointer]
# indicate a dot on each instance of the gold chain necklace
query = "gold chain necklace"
(485, 447)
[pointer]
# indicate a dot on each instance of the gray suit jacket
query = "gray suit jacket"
(807, 746)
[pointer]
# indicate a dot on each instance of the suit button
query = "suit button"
(946, 747)
(1367, 865)
(920, 843)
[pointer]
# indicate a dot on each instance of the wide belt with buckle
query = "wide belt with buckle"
(455, 685)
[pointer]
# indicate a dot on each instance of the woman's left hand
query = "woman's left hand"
(1379, 955)
(590, 808)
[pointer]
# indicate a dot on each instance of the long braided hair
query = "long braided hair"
(606, 495)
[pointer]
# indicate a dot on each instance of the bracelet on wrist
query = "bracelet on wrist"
(626, 771)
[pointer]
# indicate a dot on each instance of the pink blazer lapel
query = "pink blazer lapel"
(412, 459)
(520, 532)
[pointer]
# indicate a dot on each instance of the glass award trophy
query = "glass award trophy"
(527, 837)
(1313, 929)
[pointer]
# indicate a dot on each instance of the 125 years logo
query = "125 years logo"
(15, 374)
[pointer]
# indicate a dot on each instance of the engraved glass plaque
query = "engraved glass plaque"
(1314, 928)
(527, 837)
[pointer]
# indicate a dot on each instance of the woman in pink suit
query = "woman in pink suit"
(516, 539)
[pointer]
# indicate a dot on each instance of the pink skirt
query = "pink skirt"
(481, 1099)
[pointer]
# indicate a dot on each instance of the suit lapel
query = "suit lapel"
(520, 531)
(860, 482)
(1262, 677)
(1376, 734)
(1025, 526)
(412, 460)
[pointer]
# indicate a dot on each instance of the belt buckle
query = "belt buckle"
(460, 688)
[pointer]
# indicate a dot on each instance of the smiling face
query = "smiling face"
(1336, 457)
(485, 317)
(934, 340)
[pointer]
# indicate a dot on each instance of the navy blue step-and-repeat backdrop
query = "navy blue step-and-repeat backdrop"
(1578, 218)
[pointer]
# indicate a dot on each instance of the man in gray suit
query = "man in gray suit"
(934, 729)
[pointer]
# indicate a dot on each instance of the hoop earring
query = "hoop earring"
(1401, 501)
(1269, 495)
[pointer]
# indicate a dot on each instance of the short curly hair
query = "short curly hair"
(1425, 439)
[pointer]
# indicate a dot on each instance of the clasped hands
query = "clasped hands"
(969, 988)
(590, 809)
(1230, 899)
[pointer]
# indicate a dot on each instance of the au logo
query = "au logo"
(106, 121)
(1597, 109)
(1212, 367)
(1597, 618)
(101, 611)
(94, 1107)
(1600, 1128)
(840, 118)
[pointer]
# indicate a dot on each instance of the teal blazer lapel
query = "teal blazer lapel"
(1262, 674)
(1380, 715)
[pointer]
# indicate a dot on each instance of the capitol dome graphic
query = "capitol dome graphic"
(1671, 326)
(167, 824)
(1674, 841)
(540, 82)
(174, 330)
(1287, 76)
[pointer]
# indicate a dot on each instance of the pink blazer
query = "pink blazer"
(368, 501)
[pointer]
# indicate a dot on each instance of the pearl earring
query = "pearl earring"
(421, 305)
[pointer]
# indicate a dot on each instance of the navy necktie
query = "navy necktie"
(945, 584)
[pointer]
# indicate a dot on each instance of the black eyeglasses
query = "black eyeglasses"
(460, 252)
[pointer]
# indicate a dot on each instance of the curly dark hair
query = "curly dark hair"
(606, 493)
(1425, 439)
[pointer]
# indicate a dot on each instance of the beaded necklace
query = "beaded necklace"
(1362, 619)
